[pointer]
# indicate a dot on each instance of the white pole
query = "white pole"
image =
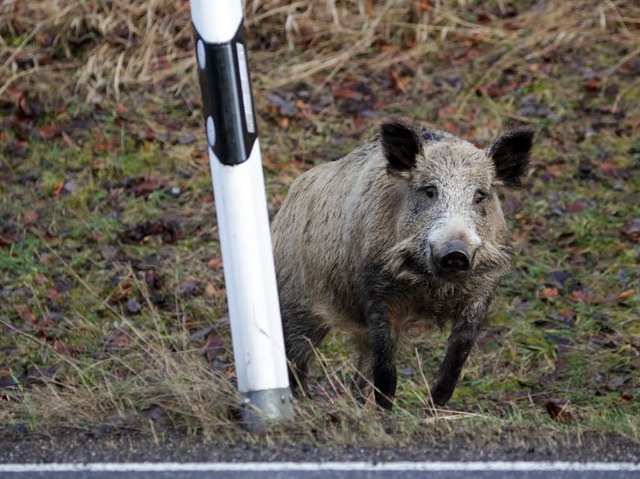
(241, 208)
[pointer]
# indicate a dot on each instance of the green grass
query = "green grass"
(100, 326)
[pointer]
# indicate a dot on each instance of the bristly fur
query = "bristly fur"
(359, 243)
(510, 154)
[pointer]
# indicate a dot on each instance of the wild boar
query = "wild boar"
(406, 229)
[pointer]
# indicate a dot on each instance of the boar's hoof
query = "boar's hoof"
(441, 395)
(455, 258)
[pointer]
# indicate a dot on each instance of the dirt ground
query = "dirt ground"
(96, 446)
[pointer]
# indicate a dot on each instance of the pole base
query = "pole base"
(267, 406)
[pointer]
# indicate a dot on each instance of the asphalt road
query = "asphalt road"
(326, 470)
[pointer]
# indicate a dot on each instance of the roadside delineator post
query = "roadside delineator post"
(241, 209)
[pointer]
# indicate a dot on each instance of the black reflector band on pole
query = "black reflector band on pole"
(226, 98)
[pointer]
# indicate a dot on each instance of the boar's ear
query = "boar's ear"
(510, 155)
(401, 145)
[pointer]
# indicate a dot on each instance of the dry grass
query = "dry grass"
(109, 51)
(100, 55)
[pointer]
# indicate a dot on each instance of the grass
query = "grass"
(112, 305)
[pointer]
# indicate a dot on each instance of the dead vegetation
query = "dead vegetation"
(112, 308)
(109, 51)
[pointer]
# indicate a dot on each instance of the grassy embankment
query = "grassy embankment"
(112, 301)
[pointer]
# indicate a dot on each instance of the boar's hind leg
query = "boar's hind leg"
(301, 339)
(460, 343)
(363, 378)
(383, 349)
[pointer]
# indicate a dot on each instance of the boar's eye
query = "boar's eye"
(430, 191)
(480, 197)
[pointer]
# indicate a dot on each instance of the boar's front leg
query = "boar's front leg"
(461, 341)
(383, 352)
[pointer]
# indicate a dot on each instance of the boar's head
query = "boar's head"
(451, 222)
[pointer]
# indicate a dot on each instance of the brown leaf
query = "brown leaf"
(215, 263)
(210, 290)
(593, 84)
(58, 290)
(7, 240)
(613, 171)
(168, 228)
(44, 39)
(354, 96)
(30, 216)
(622, 297)
(631, 229)
(447, 112)
(575, 208)
(580, 297)
(558, 411)
(49, 132)
(57, 188)
(67, 349)
(398, 82)
(17, 148)
(25, 313)
(117, 340)
(152, 182)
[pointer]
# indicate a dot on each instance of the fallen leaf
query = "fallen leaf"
(622, 297)
(398, 82)
(58, 290)
(117, 340)
(25, 313)
(152, 182)
(215, 263)
(48, 132)
(558, 411)
(580, 297)
(575, 208)
(168, 228)
(448, 112)
(30, 216)
(613, 171)
(626, 395)
(210, 290)
(44, 39)
(67, 349)
(631, 229)
(354, 96)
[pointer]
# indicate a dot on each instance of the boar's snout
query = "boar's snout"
(452, 258)
(455, 258)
